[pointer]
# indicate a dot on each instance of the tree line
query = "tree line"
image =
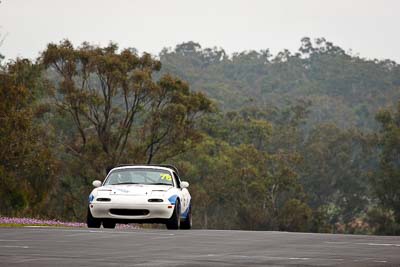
(308, 141)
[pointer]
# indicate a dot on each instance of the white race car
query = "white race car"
(140, 194)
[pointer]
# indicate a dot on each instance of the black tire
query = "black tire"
(109, 224)
(187, 223)
(174, 222)
(91, 221)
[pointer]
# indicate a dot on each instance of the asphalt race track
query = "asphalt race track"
(83, 247)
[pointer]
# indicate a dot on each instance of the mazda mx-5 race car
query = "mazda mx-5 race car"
(140, 194)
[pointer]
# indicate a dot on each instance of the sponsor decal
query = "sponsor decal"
(123, 190)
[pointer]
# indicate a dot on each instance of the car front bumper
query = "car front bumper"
(129, 208)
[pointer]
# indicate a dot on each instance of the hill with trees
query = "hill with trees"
(344, 89)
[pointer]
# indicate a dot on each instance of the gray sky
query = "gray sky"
(368, 27)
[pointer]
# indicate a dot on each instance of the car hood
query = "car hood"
(133, 190)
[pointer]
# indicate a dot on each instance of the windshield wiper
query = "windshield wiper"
(160, 184)
(124, 183)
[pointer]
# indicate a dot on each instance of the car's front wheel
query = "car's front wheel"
(91, 221)
(109, 224)
(174, 222)
(187, 222)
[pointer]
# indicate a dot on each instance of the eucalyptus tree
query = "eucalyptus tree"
(118, 106)
(386, 181)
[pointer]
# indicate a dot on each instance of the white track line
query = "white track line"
(14, 247)
(379, 244)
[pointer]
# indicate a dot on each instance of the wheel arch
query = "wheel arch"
(172, 199)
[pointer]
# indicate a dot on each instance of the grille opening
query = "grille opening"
(129, 212)
(155, 200)
(103, 199)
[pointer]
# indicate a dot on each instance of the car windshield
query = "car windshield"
(139, 176)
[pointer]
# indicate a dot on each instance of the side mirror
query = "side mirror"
(96, 183)
(184, 184)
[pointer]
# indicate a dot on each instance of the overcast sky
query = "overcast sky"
(370, 28)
